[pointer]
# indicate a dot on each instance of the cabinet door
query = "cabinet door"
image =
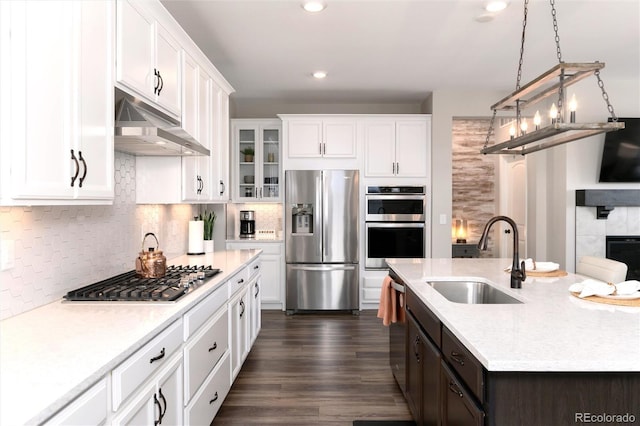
(380, 147)
(458, 408)
(255, 294)
(246, 171)
(414, 369)
(430, 382)
(42, 38)
(269, 157)
(95, 99)
(135, 49)
(239, 331)
(54, 80)
(304, 139)
(411, 148)
(220, 144)
(169, 391)
(271, 283)
(339, 138)
(168, 58)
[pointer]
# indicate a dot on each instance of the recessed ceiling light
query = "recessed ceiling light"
(320, 74)
(496, 6)
(314, 6)
(188, 152)
(161, 143)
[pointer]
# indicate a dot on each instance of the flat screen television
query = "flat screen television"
(621, 153)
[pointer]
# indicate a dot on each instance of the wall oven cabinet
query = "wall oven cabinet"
(395, 224)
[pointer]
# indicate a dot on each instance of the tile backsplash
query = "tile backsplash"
(59, 248)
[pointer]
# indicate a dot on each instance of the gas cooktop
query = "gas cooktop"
(128, 287)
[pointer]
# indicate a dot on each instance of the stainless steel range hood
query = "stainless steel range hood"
(140, 129)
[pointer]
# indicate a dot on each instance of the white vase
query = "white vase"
(208, 246)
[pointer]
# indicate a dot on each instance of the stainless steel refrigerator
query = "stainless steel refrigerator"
(321, 239)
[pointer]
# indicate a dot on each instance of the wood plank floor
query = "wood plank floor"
(315, 369)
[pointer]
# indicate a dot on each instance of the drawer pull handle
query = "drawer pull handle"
(242, 306)
(74, 177)
(215, 398)
(241, 280)
(455, 389)
(256, 267)
(214, 347)
(416, 352)
(457, 357)
(257, 290)
(156, 358)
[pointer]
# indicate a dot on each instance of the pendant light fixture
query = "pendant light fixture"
(559, 126)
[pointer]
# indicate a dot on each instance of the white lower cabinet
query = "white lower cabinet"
(159, 402)
(271, 269)
(239, 330)
(208, 400)
(139, 367)
(90, 408)
(202, 353)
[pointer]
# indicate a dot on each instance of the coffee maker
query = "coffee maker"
(247, 224)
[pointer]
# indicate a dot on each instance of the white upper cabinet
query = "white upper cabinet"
(321, 137)
(57, 111)
(220, 145)
(197, 121)
(148, 57)
(397, 147)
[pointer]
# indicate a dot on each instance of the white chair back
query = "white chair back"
(607, 270)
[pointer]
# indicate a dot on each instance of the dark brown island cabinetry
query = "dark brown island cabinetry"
(447, 385)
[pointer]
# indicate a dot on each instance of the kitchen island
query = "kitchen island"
(552, 359)
(51, 355)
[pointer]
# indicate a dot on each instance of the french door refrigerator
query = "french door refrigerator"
(321, 240)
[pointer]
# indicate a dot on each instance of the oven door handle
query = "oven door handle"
(394, 225)
(397, 287)
(395, 197)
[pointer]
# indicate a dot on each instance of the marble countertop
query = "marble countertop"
(550, 331)
(50, 355)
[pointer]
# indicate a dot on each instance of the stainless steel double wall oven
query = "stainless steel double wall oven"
(395, 223)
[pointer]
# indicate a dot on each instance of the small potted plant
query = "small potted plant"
(248, 154)
(209, 219)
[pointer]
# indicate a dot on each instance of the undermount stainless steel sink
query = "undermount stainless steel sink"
(472, 292)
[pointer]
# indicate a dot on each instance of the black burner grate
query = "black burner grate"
(128, 287)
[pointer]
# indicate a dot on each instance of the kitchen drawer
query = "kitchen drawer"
(464, 363)
(208, 400)
(203, 352)
(142, 364)
(254, 268)
(238, 281)
(88, 408)
(200, 313)
(427, 320)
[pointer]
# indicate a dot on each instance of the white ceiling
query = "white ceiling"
(399, 51)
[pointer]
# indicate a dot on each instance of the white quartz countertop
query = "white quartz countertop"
(49, 355)
(551, 330)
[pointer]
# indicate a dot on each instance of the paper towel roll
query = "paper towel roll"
(196, 237)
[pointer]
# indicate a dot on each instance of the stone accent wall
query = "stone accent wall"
(474, 178)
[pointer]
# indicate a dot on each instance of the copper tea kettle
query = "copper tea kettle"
(151, 263)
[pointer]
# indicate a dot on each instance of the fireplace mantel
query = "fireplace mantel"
(606, 200)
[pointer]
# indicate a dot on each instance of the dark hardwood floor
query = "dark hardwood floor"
(315, 369)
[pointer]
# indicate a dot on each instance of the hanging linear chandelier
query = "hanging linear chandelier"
(525, 138)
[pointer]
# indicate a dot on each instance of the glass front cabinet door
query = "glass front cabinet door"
(257, 152)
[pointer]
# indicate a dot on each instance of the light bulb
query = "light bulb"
(512, 131)
(572, 109)
(320, 74)
(553, 113)
(524, 126)
(537, 120)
